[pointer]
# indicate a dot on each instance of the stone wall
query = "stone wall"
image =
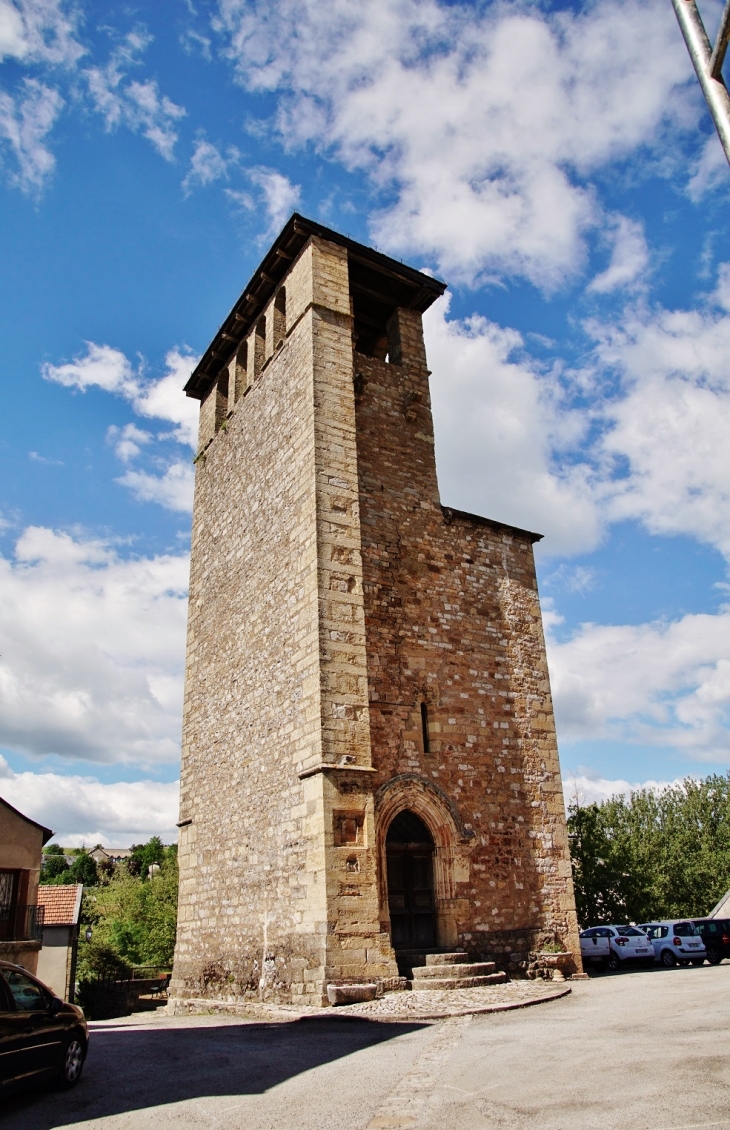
(271, 902)
(453, 621)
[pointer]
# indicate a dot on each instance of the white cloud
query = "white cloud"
(481, 122)
(173, 489)
(277, 195)
(207, 165)
(500, 420)
(591, 788)
(39, 31)
(668, 436)
(101, 367)
(25, 122)
(128, 441)
(659, 684)
(93, 647)
(137, 105)
(107, 368)
(164, 399)
(629, 257)
(82, 811)
(710, 170)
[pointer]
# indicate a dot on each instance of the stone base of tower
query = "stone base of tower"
(295, 970)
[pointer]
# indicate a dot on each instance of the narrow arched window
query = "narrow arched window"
(241, 372)
(259, 350)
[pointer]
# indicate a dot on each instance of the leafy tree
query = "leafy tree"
(654, 855)
(54, 864)
(133, 919)
(83, 870)
(144, 855)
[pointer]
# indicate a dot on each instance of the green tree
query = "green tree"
(133, 920)
(54, 864)
(144, 855)
(654, 855)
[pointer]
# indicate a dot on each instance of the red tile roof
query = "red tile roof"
(62, 904)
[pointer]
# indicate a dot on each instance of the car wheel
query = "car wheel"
(613, 962)
(668, 959)
(714, 957)
(72, 1062)
(698, 961)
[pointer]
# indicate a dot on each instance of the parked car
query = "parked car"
(676, 943)
(612, 946)
(41, 1036)
(595, 946)
(715, 933)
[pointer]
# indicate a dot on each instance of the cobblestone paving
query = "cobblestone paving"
(430, 1004)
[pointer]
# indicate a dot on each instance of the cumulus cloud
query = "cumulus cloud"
(26, 119)
(173, 489)
(83, 812)
(137, 105)
(93, 648)
(501, 422)
(481, 122)
(39, 31)
(590, 788)
(104, 367)
(659, 684)
(667, 427)
(276, 195)
(629, 257)
(207, 165)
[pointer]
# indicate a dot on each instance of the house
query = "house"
(21, 919)
(104, 855)
(57, 958)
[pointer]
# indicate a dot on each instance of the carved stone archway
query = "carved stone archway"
(450, 836)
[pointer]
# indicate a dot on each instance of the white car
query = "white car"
(595, 946)
(612, 946)
(678, 942)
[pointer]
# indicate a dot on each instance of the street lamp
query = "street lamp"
(708, 62)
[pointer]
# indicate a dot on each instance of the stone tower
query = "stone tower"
(369, 763)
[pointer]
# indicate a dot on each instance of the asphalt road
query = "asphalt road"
(636, 1049)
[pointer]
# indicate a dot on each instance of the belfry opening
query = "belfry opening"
(369, 760)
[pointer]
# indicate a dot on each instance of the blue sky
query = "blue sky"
(560, 176)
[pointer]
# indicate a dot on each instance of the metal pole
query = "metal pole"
(700, 52)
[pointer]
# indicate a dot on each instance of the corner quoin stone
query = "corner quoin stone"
(354, 649)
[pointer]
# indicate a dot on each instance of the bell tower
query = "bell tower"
(363, 664)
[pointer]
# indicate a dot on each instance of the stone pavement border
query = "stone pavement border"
(422, 1004)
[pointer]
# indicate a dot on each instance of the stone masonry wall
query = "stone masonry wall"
(276, 674)
(453, 620)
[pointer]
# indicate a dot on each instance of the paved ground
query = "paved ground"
(645, 1049)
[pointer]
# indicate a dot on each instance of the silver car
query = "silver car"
(676, 943)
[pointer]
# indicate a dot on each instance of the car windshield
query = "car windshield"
(685, 929)
(630, 932)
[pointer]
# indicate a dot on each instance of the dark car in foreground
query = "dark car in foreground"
(716, 936)
(41, 1036)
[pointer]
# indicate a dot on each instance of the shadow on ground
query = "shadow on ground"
(131, 1069)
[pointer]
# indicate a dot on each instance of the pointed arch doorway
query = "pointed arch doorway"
(409, 849)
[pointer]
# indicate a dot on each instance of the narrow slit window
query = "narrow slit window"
(424, 728)
(279, 317)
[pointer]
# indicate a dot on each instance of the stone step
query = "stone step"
(458, 958)
(423, 984)
(470, 969)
